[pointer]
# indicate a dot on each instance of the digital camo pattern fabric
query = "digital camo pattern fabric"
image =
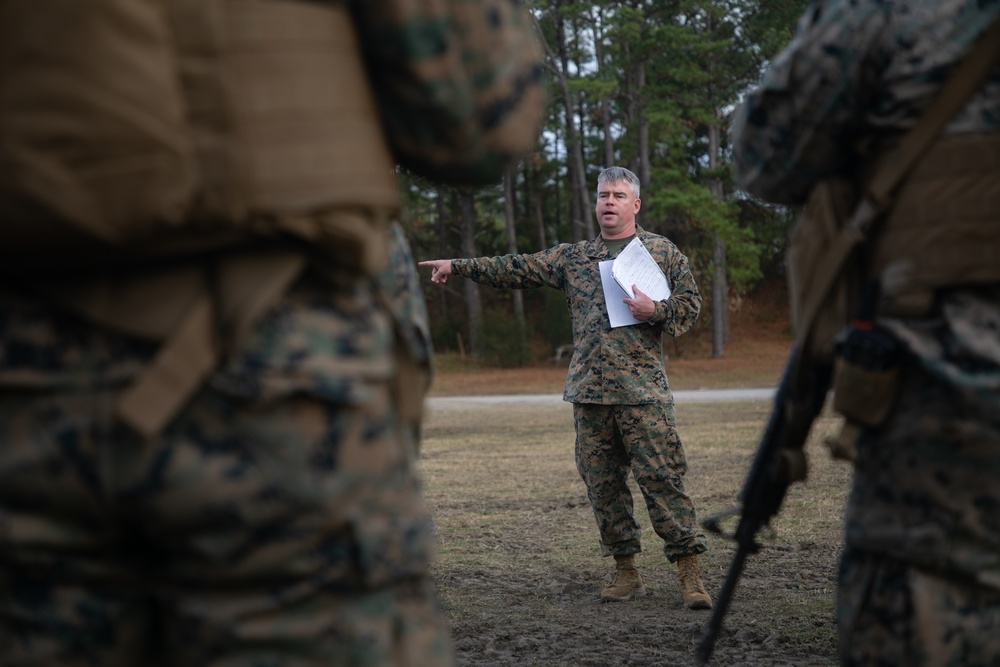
(944, 622)
(399, 286)
(277, 520)
(400, 282)
(460, 83)
(925, 487)
(292, 535)
(620, 366)
(920, 577)
(854, 77)
(611, 441)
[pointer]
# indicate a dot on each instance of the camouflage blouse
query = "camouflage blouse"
(610, 366)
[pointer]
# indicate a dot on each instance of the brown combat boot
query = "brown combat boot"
(625, 583)
(692, 589)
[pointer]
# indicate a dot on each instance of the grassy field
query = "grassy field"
(519, 568)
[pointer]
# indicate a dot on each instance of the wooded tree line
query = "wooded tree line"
(645, 84)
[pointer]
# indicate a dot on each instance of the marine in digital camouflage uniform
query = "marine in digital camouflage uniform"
(277, 519)
(920, 574)
(623, 409)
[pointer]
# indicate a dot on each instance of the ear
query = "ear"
(638, 203)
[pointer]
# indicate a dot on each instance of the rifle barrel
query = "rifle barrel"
(803, 387)
(711, 630)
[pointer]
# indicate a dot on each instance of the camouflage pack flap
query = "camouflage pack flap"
(240, 288)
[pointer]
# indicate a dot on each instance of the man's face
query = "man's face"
(616, 209)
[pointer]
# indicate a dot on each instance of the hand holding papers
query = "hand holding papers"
(635, 266)
(639, 269)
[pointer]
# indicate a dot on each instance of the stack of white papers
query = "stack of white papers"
(633, 266)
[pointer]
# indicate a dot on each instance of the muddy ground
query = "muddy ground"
(520, 571)
(579, 629)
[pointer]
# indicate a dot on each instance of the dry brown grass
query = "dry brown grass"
(519, 570)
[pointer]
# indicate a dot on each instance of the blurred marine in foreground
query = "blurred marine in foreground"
(213, 346)
(918, 377)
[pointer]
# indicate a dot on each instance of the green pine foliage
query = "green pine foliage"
(657, 80)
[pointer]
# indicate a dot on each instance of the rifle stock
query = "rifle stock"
(779, 461)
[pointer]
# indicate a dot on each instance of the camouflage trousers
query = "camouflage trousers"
(920, 575)
(891, 613)
(291, 533)
(611, 441)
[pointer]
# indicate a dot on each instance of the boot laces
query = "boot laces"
(690, 576)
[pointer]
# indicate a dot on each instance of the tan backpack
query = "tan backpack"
(123, 121)
(169, 167)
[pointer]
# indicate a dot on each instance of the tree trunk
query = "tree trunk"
(631, 112)
(587, 211)
(645, 173)
(609, 140)
(578, 175)
(597, 24)
(720, 286)
(518, 295)
(559, 226)
(473, 299)
(576, 221)
(536, 198)
(443, 251)
(720, 297)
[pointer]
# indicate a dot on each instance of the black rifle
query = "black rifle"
(780, 460)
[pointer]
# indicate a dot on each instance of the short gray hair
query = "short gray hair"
(619, 175)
